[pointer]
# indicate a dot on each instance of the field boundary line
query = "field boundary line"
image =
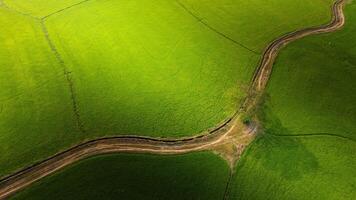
(315, 135)
(201, 20)
(227, 187)
(4, 5)
(59, 58)
(64, 9)
(67, 75)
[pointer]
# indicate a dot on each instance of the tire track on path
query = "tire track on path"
(222, 135)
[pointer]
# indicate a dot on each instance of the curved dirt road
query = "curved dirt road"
(271, 52)
(223, 134)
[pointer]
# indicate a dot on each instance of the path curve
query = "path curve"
(136, 144)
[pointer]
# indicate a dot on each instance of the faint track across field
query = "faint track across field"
(315, 135)
(136, 144)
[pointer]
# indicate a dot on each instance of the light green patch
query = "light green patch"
(40, 8)
(35, 105)
(255, 23)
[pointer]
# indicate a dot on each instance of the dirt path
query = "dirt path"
(228, 139)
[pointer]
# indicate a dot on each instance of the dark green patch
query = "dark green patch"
(127, 176)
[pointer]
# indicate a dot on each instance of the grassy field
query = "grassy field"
(255, 23)
(130, 176)
(314, 167)
(137, 67)
(164, 72)
(313, 89)
(311, 105)
(35, 107)
(40, 8)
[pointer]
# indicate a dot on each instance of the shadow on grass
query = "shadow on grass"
(287, 156)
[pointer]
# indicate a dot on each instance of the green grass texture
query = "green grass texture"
(313, 89)
(296, 168)
(308, 150)
(130, 176)
(150, 67)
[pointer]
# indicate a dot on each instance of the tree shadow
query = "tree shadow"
(282, 153)
(288, 157)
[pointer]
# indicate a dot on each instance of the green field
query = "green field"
(161, 74)
(173, 69)
(255, 23)
(314, 167)
(313, 89)
(164, 72)
(151, 67)
(310, 105)
(129, 176)
(35, 108)
(39, 8)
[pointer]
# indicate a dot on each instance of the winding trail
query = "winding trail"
(231, 132)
